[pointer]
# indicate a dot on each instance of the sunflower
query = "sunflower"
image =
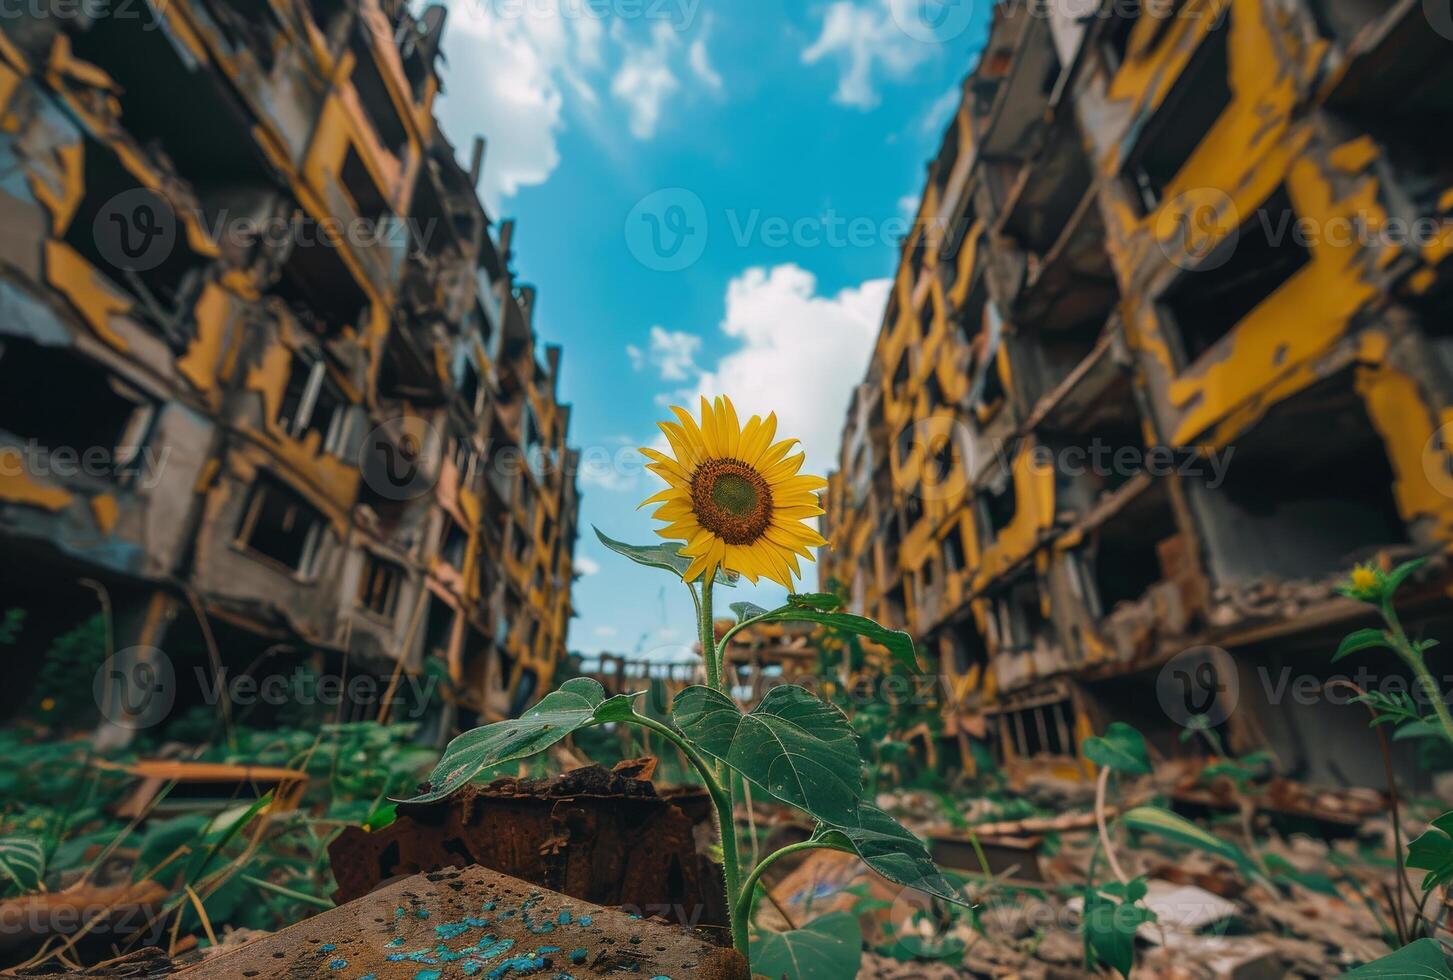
(734, 495)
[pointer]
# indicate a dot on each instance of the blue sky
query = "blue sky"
(708, 197)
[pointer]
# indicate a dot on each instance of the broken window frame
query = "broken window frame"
(314, 537)
(380, 585)
(334, 435)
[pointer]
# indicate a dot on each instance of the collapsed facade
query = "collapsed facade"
(270, 386)
(1166, 352)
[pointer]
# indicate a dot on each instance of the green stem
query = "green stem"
(1414, 659)
(731, 865)
(744, 900)
(721, 800)
(266, 885)
(707, 627)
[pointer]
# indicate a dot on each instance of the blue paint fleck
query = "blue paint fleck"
(578, 955)
(422, 913)
(586, 920)
(337, 964)
(564, 918)
(394, 943)
(496, 948)
(523, 964)
(327, 948)
(451, 930)
(428, 975)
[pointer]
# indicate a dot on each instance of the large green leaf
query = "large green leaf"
(827, 948)
(793, 744)
(22, 862)
(664, 556)
(1422, 960)
(817, 607)
(1433, 852)
(890, 849)
(1171, 826)
(1121, 748)
(580, 701)
(1111, 918)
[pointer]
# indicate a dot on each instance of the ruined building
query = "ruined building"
(1168, 349)
(270, 388)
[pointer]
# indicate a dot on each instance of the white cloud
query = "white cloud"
(863, 40)
(671, 352)
(586, 565)
(605, 632)
(800, 354)
(700, 63)
(511, 73)
(645, 79)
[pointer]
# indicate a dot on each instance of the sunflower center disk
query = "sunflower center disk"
(731, 500)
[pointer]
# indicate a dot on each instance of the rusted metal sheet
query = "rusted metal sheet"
(474, 923)
(590, 833)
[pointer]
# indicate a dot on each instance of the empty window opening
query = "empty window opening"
(1116, 39)
(379, 585)
(453, 543)
(468, 384)
(373, 95)
(1206, 303)
(895, 605)
(995, 506)
(368, 200)
(313, 402)
(1308, 514)
(91, 413)
(317, 285)
(1125, 556)
(1043, 358)
(126, 244)
(280, 525)
(991, 385)
(953, 551)
(900, 376)
(1197, 100)
(1019, 618)
(525, 688)
(1090, 464)
(945, 460)
(439, 632)
(969, 650)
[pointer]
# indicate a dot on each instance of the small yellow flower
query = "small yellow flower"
(734, 495)
(47, 704)
(1364, 578)
(1366, 584)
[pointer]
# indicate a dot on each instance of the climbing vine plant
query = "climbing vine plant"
(793, 746)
